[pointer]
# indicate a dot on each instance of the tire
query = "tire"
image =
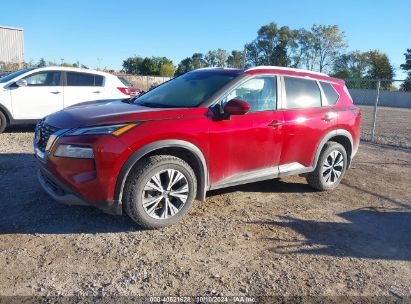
(3, 122)
(144, 183)
(329, 170)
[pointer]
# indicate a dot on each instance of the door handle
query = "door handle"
(329, 116)
(55, 92)
(96, 92)
(275, 124)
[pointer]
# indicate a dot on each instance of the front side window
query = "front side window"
(84, 79)
(330, 93)
(301, 93)
(260, 93)
(51, 78)
(186, 91)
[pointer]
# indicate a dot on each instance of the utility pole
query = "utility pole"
(99, 62)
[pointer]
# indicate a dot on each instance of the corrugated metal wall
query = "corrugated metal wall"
(11, 45)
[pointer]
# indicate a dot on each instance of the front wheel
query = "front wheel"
(3, 122)
(159, 191)
(330, 169)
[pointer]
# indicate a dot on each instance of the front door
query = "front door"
(248, 144)
(42, 96)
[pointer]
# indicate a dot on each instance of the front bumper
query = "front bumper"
(64, 195)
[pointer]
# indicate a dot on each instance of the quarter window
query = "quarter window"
(330, 93)
(51, 78)
(301, 93)
(84, 79)
(260, 93)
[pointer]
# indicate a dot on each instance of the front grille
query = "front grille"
(43, 133)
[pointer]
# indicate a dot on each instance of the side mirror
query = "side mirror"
(21, 83)
(236, 107)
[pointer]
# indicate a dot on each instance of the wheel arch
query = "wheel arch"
(6, 113)
(340, 136)
(179, 148)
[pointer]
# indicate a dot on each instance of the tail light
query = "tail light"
(124, 90)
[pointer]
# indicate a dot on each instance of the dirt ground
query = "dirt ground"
(276, 237)
(393, 125)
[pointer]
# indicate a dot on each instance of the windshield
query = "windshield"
(186, 91)
(13, 75)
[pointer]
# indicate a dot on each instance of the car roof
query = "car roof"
(291, 72)
(272, 70)
(71, 69)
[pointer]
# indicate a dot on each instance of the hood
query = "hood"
(105, 112)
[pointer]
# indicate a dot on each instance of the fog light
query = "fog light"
(74, 151)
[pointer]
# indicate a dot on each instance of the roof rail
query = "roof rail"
(286, 69)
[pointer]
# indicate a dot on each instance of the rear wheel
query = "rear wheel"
(3, 122)
(159, 191)
(330, 169)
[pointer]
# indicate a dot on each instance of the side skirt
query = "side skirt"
(262, 174)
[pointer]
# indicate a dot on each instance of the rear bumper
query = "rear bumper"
(64, 195)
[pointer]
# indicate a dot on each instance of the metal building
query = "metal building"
(11, 46)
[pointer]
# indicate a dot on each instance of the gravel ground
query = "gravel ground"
(276, 237)
(393, 125)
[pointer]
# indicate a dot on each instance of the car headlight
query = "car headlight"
(74, 151)
(115, 130)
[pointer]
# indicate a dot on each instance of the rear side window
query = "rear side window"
(84, 79)
(301, 93)
(43, 79)
(330, 93)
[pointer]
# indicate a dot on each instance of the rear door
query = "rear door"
(251, 142)
(42, 96)
(81, 87)
(307, 119)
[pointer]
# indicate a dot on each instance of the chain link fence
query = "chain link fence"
(386, 110)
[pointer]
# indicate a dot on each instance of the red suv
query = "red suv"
(153, 155)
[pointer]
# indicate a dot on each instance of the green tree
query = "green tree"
(235, 59)
(380, 68)
(198, 61)
(352, 65)
(221, 57)
(132, 65)
(167, 69)
(328, 42)
(148, 67)
(273, 46)
(186, 65)
(42, 63)
(406, 86)
(211, 58)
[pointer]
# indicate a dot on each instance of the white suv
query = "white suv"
(28, 95)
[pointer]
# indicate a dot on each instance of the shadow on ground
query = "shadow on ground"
(367, 233)
(26, 208)
(20, 128)
(267, 186)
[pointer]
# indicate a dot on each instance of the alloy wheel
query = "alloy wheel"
(333, 167)
(165, 194)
